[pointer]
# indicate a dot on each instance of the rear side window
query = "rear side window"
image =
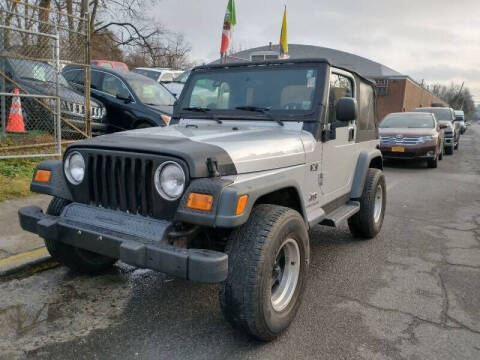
(75, 76)
(340, 86)
(366, 108)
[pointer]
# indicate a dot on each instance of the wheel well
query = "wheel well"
(287, 197)
(376, 163)
(141, 122)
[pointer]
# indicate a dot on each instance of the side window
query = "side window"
(96, 78)
(8, 70)
(340, 86)
(114, 86)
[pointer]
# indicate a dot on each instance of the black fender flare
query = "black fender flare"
(364, 161)
(57, 185)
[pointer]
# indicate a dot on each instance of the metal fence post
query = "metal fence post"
(57, 92)
(2, 89)
(88, 115)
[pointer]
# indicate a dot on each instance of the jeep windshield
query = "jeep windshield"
(271, 93)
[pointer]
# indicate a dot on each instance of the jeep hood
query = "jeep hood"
(237, 150)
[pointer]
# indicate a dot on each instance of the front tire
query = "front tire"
(268, 261)
(78, 260)
(433, 163)
(449, 150)
(367, 222)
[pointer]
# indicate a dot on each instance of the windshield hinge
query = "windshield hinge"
(212, 167)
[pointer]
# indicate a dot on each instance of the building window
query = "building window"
(381, 87)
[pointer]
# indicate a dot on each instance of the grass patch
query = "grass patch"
(15, 177)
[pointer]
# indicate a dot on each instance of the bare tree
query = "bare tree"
(457, 96)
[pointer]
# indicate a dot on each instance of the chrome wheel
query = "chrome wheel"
(285, 273)
(377, 210)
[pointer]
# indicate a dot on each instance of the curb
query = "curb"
(19, 262)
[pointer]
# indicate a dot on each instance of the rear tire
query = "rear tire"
(367, 223)
(267, 271)
(79, 260)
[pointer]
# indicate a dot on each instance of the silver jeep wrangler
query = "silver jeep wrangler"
(255, 156)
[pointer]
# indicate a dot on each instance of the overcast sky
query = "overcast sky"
(435, 40)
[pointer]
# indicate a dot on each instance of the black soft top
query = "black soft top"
(280, 62)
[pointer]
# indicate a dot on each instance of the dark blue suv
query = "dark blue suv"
(132, 101)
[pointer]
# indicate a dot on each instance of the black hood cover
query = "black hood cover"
(195, 154)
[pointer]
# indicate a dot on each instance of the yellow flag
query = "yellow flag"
(284, 37)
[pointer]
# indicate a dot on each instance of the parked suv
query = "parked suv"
(133, 101)
(446, 116)
(411, 135)
(38, 78)
(228, 192)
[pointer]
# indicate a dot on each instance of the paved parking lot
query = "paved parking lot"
(411, 293)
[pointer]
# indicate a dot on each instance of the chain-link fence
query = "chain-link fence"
(40, 110)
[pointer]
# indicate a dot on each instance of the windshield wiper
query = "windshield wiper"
(205, 111)
(263, 110)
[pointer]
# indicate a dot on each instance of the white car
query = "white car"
(162, 75)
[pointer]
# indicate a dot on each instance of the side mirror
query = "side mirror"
(346, 109)
(124, 97)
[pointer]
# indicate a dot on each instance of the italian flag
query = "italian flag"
(228, 23)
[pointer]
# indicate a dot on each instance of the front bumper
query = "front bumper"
(98, 128)
(410, 152)
(134, 239)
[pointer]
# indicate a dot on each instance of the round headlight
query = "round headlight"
(74, 167)
(170, 180)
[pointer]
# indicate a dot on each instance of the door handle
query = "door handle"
(351, 134)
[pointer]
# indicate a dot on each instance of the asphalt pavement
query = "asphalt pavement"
(413, 292)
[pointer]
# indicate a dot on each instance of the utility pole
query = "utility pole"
(423, 90)
(459, 92)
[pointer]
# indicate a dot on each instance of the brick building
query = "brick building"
(395, 92)
(401, 93)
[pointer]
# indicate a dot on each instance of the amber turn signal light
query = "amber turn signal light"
(202, 202)
(241, 204)
(43, 176)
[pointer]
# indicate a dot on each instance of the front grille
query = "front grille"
(449, 134)
(119, 182)
(393, 140)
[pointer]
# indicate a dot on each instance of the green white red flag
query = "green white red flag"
(228, 24)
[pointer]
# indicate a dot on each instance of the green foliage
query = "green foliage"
(15, 177)
(17, 167)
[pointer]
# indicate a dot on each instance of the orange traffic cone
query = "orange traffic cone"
(15, 118)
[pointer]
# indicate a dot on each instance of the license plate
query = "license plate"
(398, 149)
